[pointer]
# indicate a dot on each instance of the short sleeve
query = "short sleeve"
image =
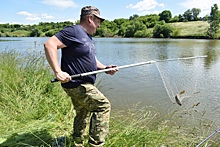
(66, 35)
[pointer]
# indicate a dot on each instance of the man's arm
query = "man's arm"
(51, 47)
(102, 66)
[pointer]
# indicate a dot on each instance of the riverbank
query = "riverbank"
(35, 112)
(192, 30)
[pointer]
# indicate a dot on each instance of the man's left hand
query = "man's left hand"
(113, 71)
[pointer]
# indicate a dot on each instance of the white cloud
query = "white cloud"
(149, 12)
(25, 13)
(60, 3)
(46, 16)
(34, 17)
(204, 5)
(156, 12)
(29, 16)
(146, 5)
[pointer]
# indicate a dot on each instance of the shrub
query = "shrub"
(161, 31)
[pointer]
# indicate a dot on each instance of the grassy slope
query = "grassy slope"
(195, 28)
(20, 33)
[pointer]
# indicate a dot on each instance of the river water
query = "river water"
(148, 85)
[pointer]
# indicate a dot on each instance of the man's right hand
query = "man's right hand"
(63, 77)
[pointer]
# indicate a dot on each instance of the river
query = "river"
(150, 85)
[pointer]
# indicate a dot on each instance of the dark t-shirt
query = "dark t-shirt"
(79, 56)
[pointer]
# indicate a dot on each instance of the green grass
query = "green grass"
(19, 33)
(28, 101)
(35, 112)
(194, 28)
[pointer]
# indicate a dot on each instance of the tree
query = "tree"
(175, 19)
(133, 27)
(149, 20)
(121, 31)
(191, 15)
(162, 31)
(35, 32)
(102, 32)
(135, 16)
(120, 21)
(188, 15)
(166, 16)
(181, 18)
(214, 21)
(107, 29)
(195, 13)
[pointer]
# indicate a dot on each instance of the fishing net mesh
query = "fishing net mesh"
(180, 78)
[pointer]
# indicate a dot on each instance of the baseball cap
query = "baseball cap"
(91, 10)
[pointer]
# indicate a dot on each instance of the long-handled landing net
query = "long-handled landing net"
(127, 66)
(181, 78)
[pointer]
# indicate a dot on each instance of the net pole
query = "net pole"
(126, 66)
(216, 131)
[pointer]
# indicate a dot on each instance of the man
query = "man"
(79, 56)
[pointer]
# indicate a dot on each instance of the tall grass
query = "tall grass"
(29, 103)
(35, 112)
(191, 29)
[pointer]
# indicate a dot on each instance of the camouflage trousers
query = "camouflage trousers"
(92, 110)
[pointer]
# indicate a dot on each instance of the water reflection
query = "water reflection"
(211, 49)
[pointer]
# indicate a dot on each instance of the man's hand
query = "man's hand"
(63, 77)
(112, 72)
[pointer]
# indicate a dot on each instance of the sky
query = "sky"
(35, 11)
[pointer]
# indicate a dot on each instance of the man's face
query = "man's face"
(95, 23)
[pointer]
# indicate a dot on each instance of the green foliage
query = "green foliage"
(134, 17)
(149, 20)
(141, 34)
(35, 33)
(191, 15)
(214, 21)
(162, 31)
(120, 21)
(135, 29)
(195, 12)
(107, 29)
(130, 30)
(135, 26)
(40, 30)
(121, 25)
(188, 15)
(175, 33)
(175, 19)
(166, 16)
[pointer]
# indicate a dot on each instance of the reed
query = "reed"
(35, 112)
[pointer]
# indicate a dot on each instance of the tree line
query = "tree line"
(152, 25)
